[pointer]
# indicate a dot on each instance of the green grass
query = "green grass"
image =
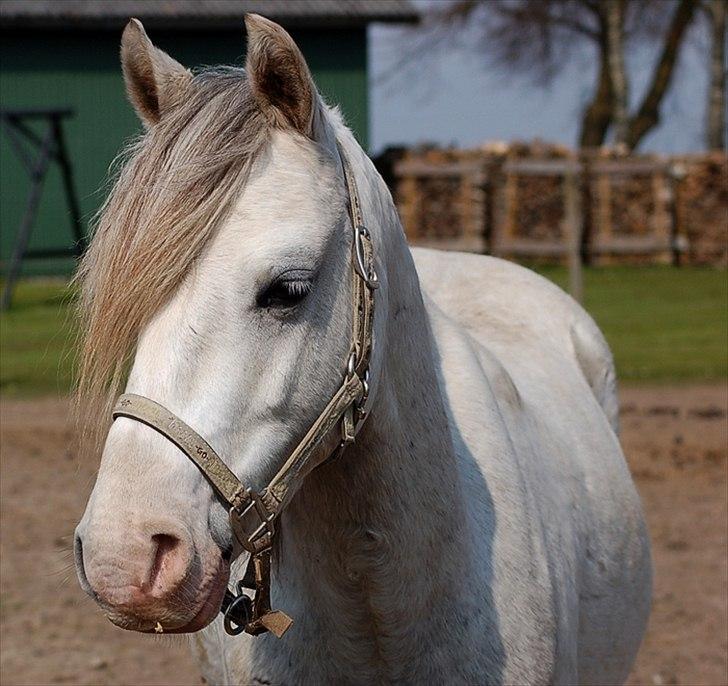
(36, 339)
(664, 324)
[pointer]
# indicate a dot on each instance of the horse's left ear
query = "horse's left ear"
(279, 75)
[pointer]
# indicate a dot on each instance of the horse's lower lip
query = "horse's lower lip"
(211, 605)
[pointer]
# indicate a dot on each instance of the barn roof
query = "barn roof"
(207, 14)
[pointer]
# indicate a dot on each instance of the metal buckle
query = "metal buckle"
(351, 366)
(251, 542)
(359, 407)
(362, 406)
(369, 276)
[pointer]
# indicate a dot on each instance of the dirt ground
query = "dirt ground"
(50, 633)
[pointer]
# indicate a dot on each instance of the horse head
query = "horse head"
(219, 285)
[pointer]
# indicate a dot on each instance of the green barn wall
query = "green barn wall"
(81, 70)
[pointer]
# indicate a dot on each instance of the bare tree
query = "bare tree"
(715, 138)
(539, 37)
(615, 14)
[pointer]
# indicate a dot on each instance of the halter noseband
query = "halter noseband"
(252, 514)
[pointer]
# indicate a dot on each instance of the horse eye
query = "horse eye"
(284, 292)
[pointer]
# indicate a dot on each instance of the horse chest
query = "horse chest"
(459, 642)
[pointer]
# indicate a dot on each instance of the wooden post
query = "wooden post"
(465, 210)
(67, 176)
(678, 241)
(472, 194)
(573, 227)
(507, 226)
(662, 218)
(478, 208)
(408, 205)
(22, 239)
(603, 235)
(52, 148)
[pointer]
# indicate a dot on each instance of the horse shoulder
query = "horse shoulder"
(515, 309)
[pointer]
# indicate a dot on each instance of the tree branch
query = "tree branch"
(541, 13)
(715, 134)
(648, 114)
(615, 54)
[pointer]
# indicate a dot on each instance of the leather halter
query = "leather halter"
(253, 514)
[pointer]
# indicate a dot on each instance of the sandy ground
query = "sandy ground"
(50, 633)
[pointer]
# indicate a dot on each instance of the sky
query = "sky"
(454, 97)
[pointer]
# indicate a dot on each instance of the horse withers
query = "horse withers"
(463, 513)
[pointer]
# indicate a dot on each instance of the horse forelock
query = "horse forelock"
(175, 184)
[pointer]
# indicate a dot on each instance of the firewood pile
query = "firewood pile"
(702, 208)
(508, 199)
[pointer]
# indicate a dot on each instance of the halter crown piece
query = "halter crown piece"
(253, 514)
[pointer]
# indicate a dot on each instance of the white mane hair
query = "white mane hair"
(177, 183)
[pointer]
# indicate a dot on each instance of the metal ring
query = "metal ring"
(368, 275)
(351, 365)
(235, 625)
(360, 261)
(365, 393)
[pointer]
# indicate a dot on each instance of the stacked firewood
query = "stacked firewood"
(449, 196)
(703, 207)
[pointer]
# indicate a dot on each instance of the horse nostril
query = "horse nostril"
(80, 569)
(168, 565)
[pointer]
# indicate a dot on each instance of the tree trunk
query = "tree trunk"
(615, 47)
(648, 115)
(598, 116)
(716, 94)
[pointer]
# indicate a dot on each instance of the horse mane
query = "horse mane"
(175, 184)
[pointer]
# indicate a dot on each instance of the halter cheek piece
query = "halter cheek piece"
(253, 515)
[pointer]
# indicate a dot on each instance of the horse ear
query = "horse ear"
(279, 75)
(154, 81)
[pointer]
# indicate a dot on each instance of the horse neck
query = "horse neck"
(383, 523)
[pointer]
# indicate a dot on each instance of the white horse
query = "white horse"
(482, 529)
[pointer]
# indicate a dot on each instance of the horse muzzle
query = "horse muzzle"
(152, 583)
